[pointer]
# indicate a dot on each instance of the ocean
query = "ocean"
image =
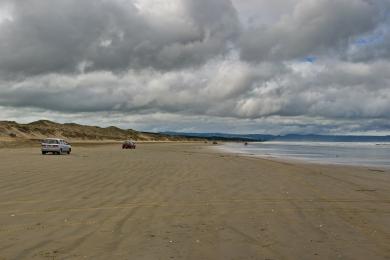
(341, 153)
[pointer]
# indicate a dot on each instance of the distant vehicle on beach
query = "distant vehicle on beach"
(55, 146)
(128, 144)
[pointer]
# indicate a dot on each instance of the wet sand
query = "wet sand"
(186, 201)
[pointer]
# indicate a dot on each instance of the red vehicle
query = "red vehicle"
(128, 145)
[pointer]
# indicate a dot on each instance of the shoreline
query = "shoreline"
(296, 160)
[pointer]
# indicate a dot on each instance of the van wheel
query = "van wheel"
(43, 153)
(69, 151)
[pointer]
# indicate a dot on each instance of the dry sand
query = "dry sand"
(184, 201)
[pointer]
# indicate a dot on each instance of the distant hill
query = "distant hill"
(289, 137)
(71, 131)
(223, 136)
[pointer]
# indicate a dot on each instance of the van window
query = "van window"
(50, 141)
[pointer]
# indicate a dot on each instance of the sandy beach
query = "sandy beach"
(187, 201)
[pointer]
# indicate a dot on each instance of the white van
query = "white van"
(55, 146)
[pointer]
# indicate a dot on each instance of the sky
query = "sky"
(237, 66)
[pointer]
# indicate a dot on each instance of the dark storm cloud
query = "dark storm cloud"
(70, 35)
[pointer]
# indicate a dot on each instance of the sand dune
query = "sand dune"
(16, 133)
(184, 201)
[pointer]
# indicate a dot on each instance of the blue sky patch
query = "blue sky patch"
(310, 59)
(369, 40)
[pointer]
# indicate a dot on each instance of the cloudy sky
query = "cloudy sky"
(239, 66)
